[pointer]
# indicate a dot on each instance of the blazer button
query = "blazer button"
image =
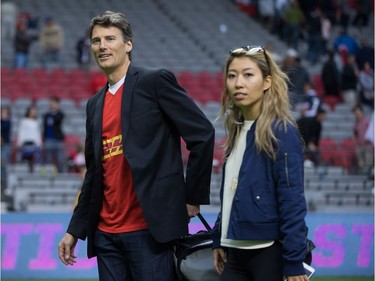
(257, 198)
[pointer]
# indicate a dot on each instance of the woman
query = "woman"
(29, 140)
(260, 233)
(366, 84)
(6, 134)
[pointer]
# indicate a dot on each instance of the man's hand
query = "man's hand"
(66, 249)
(193, 210)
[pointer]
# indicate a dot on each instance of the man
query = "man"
(53, 135)
(135, 199)
(52, 42)
(310, 129)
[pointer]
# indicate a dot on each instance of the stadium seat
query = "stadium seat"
(331, 101)
(21, 73)
(327, 148)
(39, 73)
(70, 143)
(318, 85)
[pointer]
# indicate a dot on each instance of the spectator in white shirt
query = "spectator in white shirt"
(29, 139)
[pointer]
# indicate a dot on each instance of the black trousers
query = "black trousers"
(254, 265)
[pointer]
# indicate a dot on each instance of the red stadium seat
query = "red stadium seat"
(327, 150)
(21, 73)
(57, 72)
(39, 73)
(318, 84)
(70, 143)
(331, 101)
(206, 80)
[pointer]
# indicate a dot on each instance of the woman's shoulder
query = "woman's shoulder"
(285, 129)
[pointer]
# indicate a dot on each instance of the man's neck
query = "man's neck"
(118, 74)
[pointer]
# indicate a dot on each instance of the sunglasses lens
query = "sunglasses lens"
(249, 49)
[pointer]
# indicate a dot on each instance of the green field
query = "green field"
(316, 278)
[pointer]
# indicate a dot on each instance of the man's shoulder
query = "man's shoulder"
(144, 70)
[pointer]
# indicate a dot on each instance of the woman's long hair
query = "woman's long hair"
(275, 105)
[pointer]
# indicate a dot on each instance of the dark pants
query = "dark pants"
(254, 265)
(133, 256)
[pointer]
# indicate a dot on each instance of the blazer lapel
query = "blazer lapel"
(97, 133)
(127, 97)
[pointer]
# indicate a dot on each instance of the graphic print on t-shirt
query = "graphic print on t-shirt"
(112, 147)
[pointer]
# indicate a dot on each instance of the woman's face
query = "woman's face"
(33, 112)
(4, 113)
(246, 86)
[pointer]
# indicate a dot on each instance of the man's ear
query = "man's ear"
(128, 46)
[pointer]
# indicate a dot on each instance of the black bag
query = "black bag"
(28, 150)
(193, 256)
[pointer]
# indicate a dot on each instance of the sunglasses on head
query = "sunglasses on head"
(251, 49)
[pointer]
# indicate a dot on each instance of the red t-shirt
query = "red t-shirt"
(121, 211)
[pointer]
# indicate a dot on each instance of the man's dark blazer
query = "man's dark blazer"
(155, 114)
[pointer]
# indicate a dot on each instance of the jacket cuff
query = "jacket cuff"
(293, 268)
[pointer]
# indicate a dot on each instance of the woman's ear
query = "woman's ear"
(267, 83)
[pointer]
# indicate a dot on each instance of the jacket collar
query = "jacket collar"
(127, 98)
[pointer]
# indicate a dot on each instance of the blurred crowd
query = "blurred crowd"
(344, 64)
(26, 29)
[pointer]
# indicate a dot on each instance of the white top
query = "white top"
(232, 170)
(29, 130)
(113, 89)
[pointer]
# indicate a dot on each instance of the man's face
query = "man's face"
(109, 49)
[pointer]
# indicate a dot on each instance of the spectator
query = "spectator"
(6, 130)
(298, 76)
(314, 40)
(369, 136)
(366, 86)
(53, 135)
(76, 162)
(328, 8)
(346, 43)
(349, 81)
(331, 76)
(365, 54)
(364, 148)
(342, 14)
(29, 139)
(310, 129)
(363, 11)
(9, 14)
(326, 33)
(266, 12)
(52, 41)
(311, 102)
(22, 42)
(294, 19)
(6, 145)
(83, 49)
(32, 22)
(279, 25)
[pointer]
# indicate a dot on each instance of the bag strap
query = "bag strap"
(205, 223)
